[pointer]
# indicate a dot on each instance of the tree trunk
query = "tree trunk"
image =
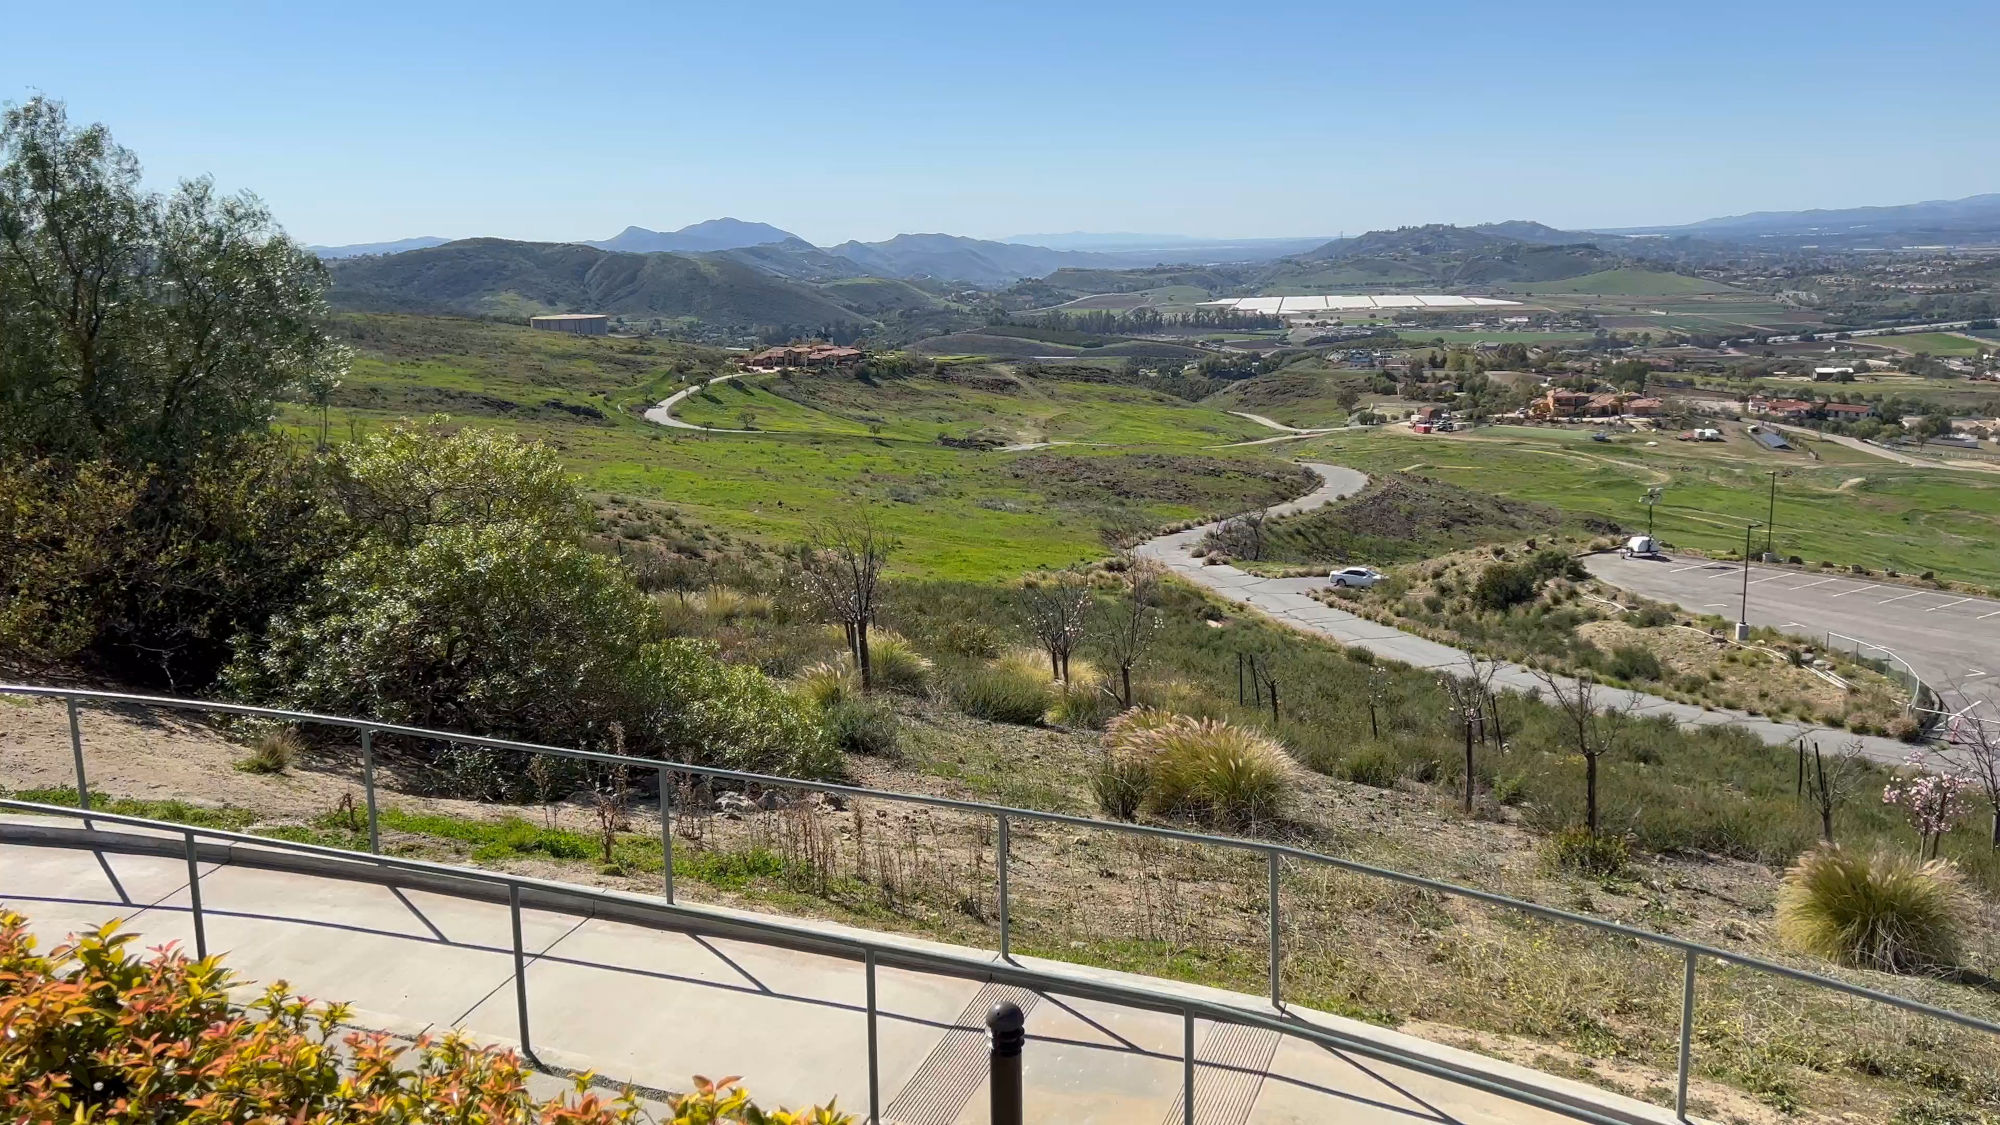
(1826, 823)
(1468, 767)
(1499, 731)
(1055, 668)
(1590, 792)
(861, 653)
(1375, 732)
(1125, 686)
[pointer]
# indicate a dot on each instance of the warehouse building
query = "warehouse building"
(583, 324)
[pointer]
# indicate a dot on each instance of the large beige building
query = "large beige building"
(583, 324)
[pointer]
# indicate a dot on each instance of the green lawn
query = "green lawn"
(1876, 513)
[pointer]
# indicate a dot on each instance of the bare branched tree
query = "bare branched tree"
(1058, 604)
(1972, 745)
(1832, 781)
(839, 569)
(1242, 536)
(1131, 622)
(1378, 698)
(1590, 725)
(1466, 705)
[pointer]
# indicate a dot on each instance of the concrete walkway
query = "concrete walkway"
(651, 1007)
(1289, 600)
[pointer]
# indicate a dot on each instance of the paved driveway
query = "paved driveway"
(1289, 600)
(1948, 638)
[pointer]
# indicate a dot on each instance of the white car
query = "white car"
(1359, 576)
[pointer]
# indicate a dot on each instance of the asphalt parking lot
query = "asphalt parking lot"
(1950, 639)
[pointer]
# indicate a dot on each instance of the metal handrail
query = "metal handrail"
(1003, 815)
(782, 934)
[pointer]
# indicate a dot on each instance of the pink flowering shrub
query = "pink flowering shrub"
(1935, 802)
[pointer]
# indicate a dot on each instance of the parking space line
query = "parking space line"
(1768, 578)
(1810, 585)
(1947, 605)
(1984, 616)
(1696, 566)
(1900, 597)
(1857, 590)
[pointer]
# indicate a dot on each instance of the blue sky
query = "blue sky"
(366, 121)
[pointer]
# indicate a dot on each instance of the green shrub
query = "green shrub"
(862, 726)
(1631, 662)
(1885, 911)
(1575, 849)
(895, 665)
(974, 639)
(1503, 586)
(1372, 765)
(1002, 692)
(273, 751)
(1217, 772)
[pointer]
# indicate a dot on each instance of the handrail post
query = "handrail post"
(1187, 1066)
(76, 750)
(194, 898)
(667, 841)
(874, 1053)
(1006, 1032)
(1277, 953)
(1687, 1036)
(1001, 847)
(368, 789)
(520, 969)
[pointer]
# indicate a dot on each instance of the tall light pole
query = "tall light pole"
(1651, 500)
(1771, 518)
(1743, 613)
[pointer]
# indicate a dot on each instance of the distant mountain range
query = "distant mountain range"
(1976, 218)
(713, 234)
(498, 277)
(358, 249)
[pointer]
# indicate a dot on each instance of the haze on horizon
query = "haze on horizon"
(374, 122)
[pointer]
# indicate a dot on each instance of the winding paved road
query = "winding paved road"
(663, 414)
(1289, 600)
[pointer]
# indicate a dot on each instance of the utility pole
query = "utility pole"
(1771, 518)
(1743, 613)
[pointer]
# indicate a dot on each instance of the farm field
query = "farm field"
(961, 514)
(1877, 513)
(988, 402)
(1934, 343)
(1496, 336)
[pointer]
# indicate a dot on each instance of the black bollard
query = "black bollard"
(1006, 1032)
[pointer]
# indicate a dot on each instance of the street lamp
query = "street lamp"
(1743, 613)
(1651, 500)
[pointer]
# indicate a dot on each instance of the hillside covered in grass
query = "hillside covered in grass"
(961, 512)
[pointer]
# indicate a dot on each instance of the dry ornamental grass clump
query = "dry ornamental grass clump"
(1887, 912)
(1208, 769)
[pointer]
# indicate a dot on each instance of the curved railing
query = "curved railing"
(1275, 854)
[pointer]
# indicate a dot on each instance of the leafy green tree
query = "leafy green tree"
(143, 340)
(146, 329)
